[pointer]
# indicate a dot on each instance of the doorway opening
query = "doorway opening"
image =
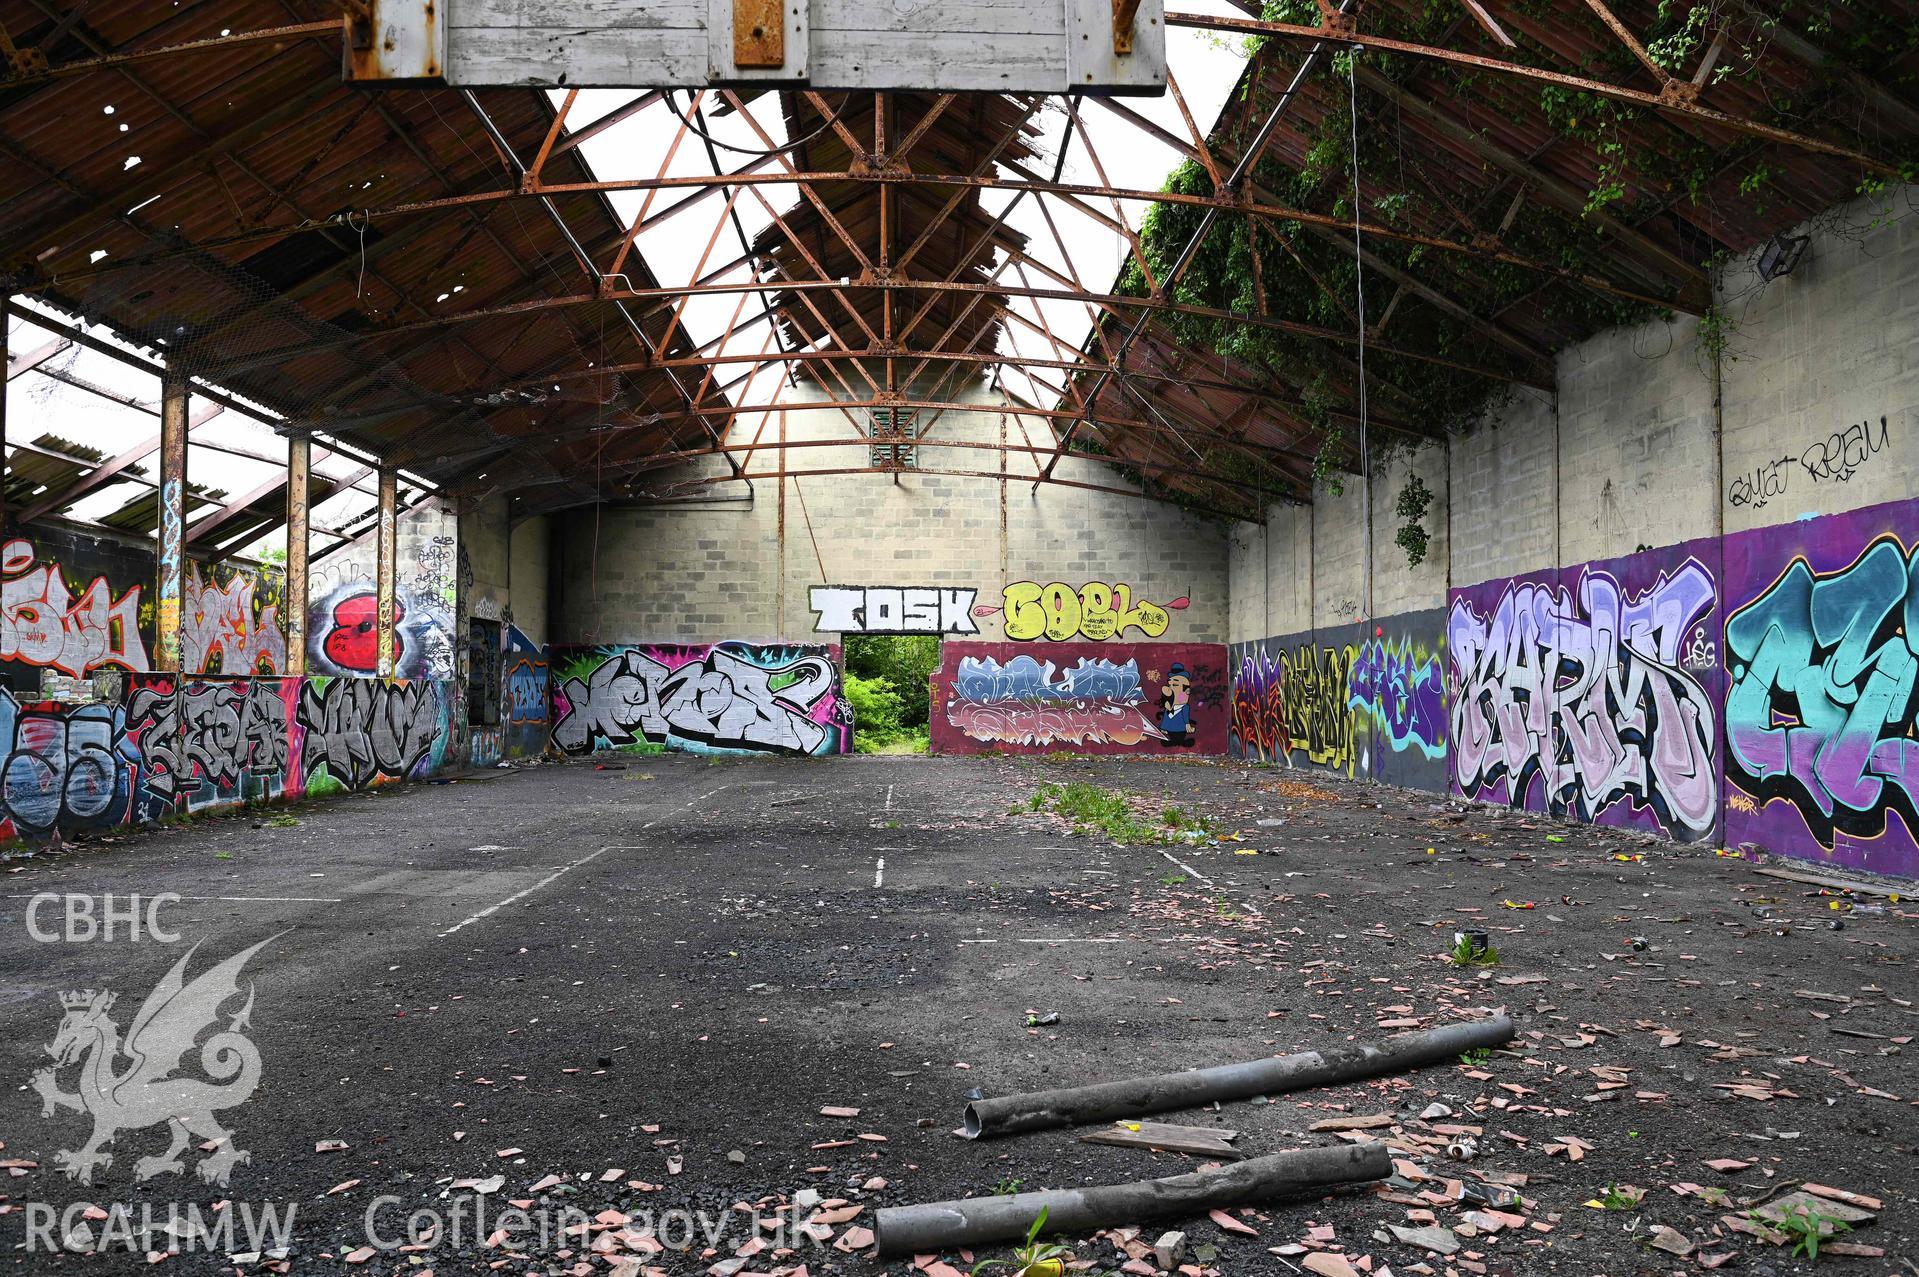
(887, 679)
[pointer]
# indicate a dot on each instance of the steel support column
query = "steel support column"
(388, 551)
(299, 475)
(172, 547)
(6, 514)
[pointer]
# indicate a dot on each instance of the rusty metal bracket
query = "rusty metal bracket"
(759, 34)
(1124, 11)
(1336, 22)
(27, 61)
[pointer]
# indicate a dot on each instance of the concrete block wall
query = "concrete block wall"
(1676, 477)
(713, 570)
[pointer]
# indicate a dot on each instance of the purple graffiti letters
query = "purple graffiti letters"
(1405, 693)
(1822, 699)
(1589, 697)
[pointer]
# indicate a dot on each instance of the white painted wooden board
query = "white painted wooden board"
(1006, 46)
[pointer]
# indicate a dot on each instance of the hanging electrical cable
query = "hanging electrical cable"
(710, 140)
(1359, 291)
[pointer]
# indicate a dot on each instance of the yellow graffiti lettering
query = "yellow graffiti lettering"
(1096, 610)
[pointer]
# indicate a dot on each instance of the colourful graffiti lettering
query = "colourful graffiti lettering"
(1095, 611)
(1029, 702)
(1588, 699)
(212, 742)
(1315, 691)
(1402, 688)
(66, 770)
(41, 622)
(728, 698)
(225, 630)
(1821, 704)
(360, 732)
(1092, 698)
(1259, 730)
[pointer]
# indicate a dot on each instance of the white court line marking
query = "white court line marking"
(879, 871)
(1190, 871)
(889, 798)
(260, 900)
(1090, 940)
(492, 909)
(1210, 884)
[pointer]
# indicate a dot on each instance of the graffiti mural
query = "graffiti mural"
(1294, 702)
(343, 632)
(68, 770)
(875, 609)
(213, 742)
(1570, 694)
(728, 698)
(1093, 611)
(45, 622)
(359, 732)
(524, 715)
(1092, 698)
(1822, 657)
(231, 628)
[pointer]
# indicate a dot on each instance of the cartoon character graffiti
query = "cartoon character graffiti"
(1175, 717)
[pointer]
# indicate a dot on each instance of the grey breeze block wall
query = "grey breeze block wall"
(1625, 454)
(725, 565)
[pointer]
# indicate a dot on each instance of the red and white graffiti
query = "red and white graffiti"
(220, 622)
(41, 622)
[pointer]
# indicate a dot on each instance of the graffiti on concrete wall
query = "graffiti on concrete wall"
(1575, 699)
(877, 609)
(1293, 703)
(231, 627)
(1088, 698)
(68, 770)
(212, 742)
(1822, 656)
(731, 697)
(358, 732)
(1841, 455)
(524, 714)
(45, 622)
(1398, 683)
(343, 632)
(1062, 612)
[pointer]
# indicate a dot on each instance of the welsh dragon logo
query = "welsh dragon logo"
(148, 1091)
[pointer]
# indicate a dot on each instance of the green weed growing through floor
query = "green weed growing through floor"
(1032, 1258)
(1478, 1055)
(1467, 954)
(1620, 1197)
(1805, 1228)
(1094, 810)
(284, 821)
(1173, 880)
(1007, 1187)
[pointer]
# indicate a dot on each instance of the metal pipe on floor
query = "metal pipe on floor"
(1135, 1097)
(933, 1227)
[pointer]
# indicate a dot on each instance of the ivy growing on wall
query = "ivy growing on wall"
(1643, 169)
